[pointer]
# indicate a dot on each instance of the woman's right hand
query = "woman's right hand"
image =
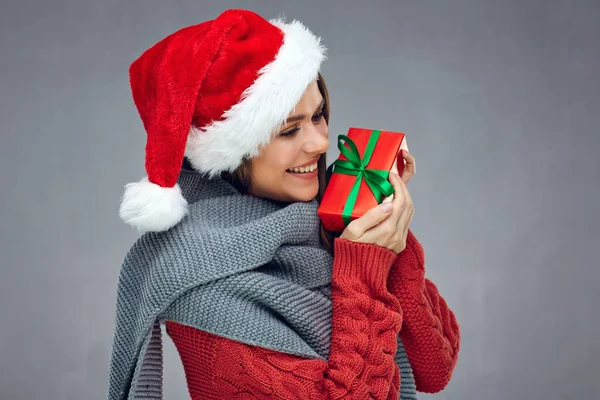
(387, 224)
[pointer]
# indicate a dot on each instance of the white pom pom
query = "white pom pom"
(152, 208)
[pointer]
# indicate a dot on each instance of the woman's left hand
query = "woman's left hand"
(409, 167)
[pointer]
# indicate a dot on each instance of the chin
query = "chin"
(306, 195)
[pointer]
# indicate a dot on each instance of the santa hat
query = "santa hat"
(215, 93)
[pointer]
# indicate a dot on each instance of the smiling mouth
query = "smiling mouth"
(303, 170)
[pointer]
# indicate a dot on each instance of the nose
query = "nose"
(317, 140)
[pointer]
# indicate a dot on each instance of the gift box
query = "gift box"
(358, 179)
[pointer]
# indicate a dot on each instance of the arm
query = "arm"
(365, 323)
(430, 332)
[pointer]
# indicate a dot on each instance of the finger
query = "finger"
(409, 167)
(399, 200)
(406, 217)
(405, 220)
(398, 204)
(371, 218)
(412, 213)
(404, 194)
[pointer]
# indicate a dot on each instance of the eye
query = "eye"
(289, 133)
(317, 117)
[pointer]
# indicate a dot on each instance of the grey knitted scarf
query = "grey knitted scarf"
(243, 267)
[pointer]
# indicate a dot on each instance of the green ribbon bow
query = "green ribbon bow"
(377, 180)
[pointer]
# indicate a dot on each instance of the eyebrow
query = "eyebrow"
(302, 116)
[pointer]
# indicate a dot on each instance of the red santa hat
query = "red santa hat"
(215, 93)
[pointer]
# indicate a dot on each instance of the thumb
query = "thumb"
(374, 216)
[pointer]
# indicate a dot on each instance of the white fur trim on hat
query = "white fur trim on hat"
(265, 105)
(150, 207)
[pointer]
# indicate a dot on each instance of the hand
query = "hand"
(409, 167)
(387, 224)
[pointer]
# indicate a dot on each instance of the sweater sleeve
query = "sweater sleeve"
(365, 323)
(430, 332)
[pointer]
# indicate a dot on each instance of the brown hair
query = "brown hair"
(240, 178)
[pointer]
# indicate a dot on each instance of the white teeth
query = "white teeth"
(302, 170)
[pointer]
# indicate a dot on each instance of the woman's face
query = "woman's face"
(277, 172)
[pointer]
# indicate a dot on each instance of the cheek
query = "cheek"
(285, 157)
(323, 129)
(270, 168)
(274, 162)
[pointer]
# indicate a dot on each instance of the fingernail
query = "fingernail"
(386, 207)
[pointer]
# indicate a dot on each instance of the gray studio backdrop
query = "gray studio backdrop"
(500, 101)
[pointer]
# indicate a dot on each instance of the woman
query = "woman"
(259, 300)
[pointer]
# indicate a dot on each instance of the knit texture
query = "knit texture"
(241, 267)
(430, 331)
(366, 321)
(216, 366)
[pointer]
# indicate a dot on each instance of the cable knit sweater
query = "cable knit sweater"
(376, 295)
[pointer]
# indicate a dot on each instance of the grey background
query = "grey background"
(500, 101)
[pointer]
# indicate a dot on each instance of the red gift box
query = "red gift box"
(359, 182)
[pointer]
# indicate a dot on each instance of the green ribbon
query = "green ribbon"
(377, 180)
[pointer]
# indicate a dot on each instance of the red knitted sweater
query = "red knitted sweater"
(376, 295)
